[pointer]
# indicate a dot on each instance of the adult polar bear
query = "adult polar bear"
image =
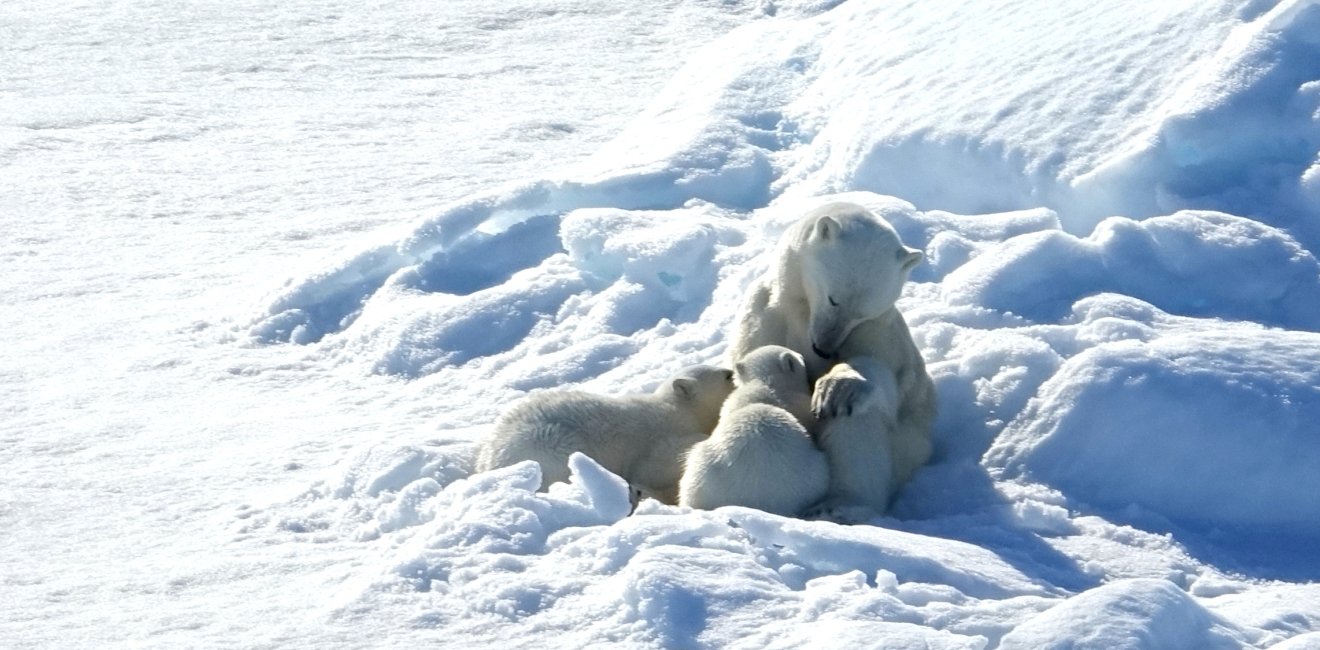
(830, 297)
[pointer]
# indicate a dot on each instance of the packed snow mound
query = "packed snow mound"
(1125, 615)
(621, 273)
(1309, 641)
(1208, 429)
(1190, 263)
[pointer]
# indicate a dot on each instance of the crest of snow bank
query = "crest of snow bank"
(1220, 265)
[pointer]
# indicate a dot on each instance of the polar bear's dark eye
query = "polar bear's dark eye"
(833, 302)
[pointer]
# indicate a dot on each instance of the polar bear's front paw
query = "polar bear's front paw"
(838, 395)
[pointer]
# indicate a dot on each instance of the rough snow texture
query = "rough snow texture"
(1084, 418)
(1119, 203)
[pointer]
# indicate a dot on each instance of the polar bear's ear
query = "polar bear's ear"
(910, 257)
(788, 361)
(827, 228)
(685, 387)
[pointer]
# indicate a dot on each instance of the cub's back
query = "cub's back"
(556, 424)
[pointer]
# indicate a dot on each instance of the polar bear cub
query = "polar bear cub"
(642, 438)
(761, 454)
(860, 445)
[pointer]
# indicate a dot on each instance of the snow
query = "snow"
(271, 271)
(1139, 613)
(1235, 453)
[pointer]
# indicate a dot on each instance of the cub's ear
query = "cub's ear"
(827, 228)
(685, 387)
(910, 257)
(788, 360)
(739, 370)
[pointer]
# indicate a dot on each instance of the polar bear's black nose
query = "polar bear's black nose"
(819, 352)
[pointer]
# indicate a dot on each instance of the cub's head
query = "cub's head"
(775, 366)
(701, 389)
(853, 270)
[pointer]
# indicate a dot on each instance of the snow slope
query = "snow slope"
(162, 166)
(1118, 203)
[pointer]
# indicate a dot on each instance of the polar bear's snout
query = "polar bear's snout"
(827, 333)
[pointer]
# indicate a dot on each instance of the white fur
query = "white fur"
(861, 458)
(831, 298)
(642, 438)
(761, 454)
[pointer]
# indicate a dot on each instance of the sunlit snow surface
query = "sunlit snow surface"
(1119, 203)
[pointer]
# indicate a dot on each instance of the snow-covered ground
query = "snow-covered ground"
(271, 268)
